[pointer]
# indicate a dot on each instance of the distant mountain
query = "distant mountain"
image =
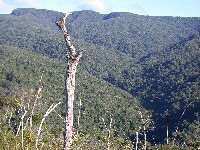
(155, 59)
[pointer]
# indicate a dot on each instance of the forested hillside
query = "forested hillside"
(131, 64)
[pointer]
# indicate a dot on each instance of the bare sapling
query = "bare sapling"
(35, 102)
(177, 127)
(147, 124)
(79, 115)
(51, 108)
(109, 134)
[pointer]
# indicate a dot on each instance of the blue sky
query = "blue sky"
(183, 8)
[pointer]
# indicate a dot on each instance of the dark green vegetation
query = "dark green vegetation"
(130, 64)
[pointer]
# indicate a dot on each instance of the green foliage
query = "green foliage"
(190, 135)
(167, 147)
(37, 118)
(99, 140)
(9, 101)
(105, 101)
(129, 62)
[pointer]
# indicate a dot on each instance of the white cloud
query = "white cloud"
(30, 3)
(96, 5)
(5, 7)
(2, 4)
(138, 9)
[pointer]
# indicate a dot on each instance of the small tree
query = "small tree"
(72, 63)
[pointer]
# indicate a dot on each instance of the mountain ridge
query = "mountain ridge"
(152, 58)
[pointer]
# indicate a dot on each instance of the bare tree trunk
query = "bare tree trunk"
(167, 131)
(145, 138)
(136, 144)
(79, 115)
(72, 63)
(22, 124)
(109, 134)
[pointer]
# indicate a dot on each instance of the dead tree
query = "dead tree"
(72, 62)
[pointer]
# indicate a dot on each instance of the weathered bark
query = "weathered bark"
(72, 63)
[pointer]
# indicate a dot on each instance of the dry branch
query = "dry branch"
(51, 108)
(72, 63)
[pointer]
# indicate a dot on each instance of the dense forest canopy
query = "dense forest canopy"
(131, 64)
